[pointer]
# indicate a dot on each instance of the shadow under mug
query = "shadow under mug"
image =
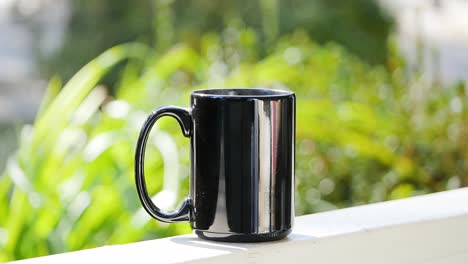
(242, 164)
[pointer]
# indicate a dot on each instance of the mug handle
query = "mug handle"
(183, 212)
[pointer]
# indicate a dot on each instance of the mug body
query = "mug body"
(242, 147)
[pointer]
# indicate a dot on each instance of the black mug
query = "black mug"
(242, 164)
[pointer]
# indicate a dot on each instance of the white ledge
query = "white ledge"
(425, 229)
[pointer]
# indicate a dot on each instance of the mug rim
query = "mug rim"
(242, 93)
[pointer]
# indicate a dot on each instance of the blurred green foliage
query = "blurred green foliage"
(8, 138)
(359, 25)
(368, 129)
(364, 134)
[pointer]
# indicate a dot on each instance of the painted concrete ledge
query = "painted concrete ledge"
(430, 229)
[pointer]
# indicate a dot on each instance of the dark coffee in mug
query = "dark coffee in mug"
(242, 164)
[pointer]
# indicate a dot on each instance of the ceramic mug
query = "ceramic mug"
(242, 164)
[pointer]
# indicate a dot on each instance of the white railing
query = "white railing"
(429, 229)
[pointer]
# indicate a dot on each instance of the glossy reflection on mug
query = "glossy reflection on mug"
(242, 160)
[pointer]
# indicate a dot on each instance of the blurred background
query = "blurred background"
(381, 110)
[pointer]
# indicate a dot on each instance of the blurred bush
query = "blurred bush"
(364, 134)
(361, 26)
(8, 138)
